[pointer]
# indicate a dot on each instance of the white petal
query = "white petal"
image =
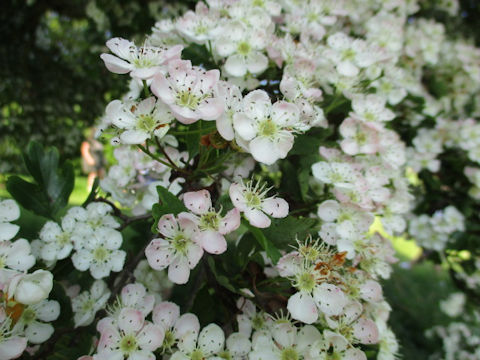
(330, 299)
(257, 218)
(38, 332)
(187, 323)
(328, 210)
(151, 337)
(9, 210)
(8, 231)
(82, 259)
(212, 242)
(244, 126)
(179, 271)
(116, 65)
(130, 320)
(256, 62)
(48, 310)
(235, 65)
(302, 307)
(166, 313)
(264, 150)
(211, 339)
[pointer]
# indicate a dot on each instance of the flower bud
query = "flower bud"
(32, 288)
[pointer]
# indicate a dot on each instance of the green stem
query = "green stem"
(155, 157)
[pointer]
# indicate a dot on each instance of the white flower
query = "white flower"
(100, 253)
(243, 48)
(189, 92)
(252, 200)
(56, 242)
(266, 128)
(143, 63)
(371, 109)
(178, 250)
(286, 342)
(139, 120)
(30, 289)
(167, 314)
(205, 345)
(34, 318)
(86, 304)
(12, 344)
(129, 337)
(232, 98)
(135, 296)
(16, 255)
(341, 175)
(9, 211)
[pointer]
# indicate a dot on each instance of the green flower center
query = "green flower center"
(252, 199)
(128, 344)
(209, 221)
(179, 243)
(348, 54)
(143, 62)
(88, 305)
(305, 282)
(258, 322)
(244, 48)
(63, 239)
(369, 116)
(146, 123)
(309, 252)
(28, 315)
(168, 340)
(197, 354)
(187, 99)
(289, 354)
(267, 128)
(100, 254)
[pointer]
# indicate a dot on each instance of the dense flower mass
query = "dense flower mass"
(264, 156)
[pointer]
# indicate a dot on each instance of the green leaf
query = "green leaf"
(221, 279)
(168, 204)
(272, 252)
(53, 182)
(309, 144)
(284, 232)
(93, 192)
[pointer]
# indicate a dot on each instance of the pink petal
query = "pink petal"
(130, 320)
(302, 307)
(166, 313)
(275, 207)
(162, 89)
(211, 109)
(151, 337)
(167, 225)
(230, 222)
(257, 218)
(236, 195)
(198, 202)
(116, 65)
(187, 322)
(158, 254)
(212, 242)
(366, 331)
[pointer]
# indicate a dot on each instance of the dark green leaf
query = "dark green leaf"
(284, 232)
(168, 204)
(272, 252)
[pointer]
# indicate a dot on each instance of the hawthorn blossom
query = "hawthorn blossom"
(30, 289)
(142, 63)
(371, 109)
(242, 46)
(358, 138)
(100, 254)
(178, 250)
(232, 98)
(9, 211)
(205, 345)
(128, 337)
(199, 26)
(139, 120)
(167, 314)
(211, 224)
(252, 200)
(86, 304)
(35, 318)
(285, 342)
(12, 343)
(266, 129)
(16, 255)
(189, 91)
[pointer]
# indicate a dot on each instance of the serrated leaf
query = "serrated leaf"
(284, 232)
(167, 204)
(53, 182)
(272, 252)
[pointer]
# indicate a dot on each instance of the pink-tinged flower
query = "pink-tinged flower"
(129, 337)
(212, 225)
(178, 249)
(267, 129)
(167, 314)
(358, 138)
(142, 63)
(135, 296)
(189, 91)
(252, 200)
